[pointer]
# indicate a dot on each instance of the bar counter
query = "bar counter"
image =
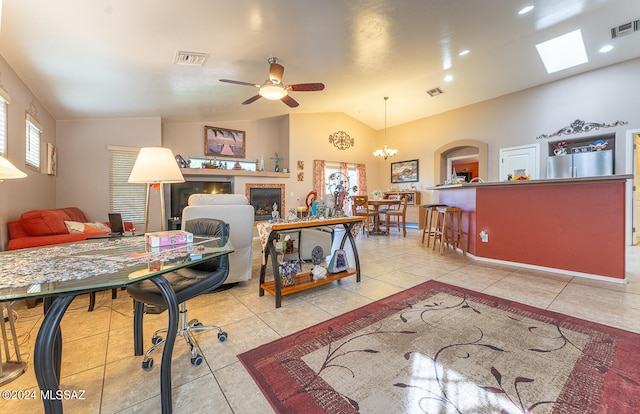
(575, 225)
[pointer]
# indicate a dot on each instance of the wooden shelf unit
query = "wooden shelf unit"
(305, 281)
(414, 196)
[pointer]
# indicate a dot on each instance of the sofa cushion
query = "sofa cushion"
(44, 222)
(75, 214)
(76, 227)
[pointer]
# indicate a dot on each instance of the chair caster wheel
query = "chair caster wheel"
(222, 336)
(155, 340)
(147, 364)
(196, 360)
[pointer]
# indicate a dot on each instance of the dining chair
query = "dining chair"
(399, 214)
(360, 207)
(383, 210)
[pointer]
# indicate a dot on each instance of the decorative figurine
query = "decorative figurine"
(317, 257)
(275, 215)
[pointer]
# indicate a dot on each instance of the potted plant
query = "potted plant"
(377, 194)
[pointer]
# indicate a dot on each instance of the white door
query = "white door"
(525, 157)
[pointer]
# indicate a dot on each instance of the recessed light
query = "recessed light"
(464, 52)
(526, 10)
(563, 52)
(448, 78)
(606, 48)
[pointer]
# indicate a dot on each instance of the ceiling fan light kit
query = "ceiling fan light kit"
(273, 89)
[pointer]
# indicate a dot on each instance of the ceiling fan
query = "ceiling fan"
(273, 88)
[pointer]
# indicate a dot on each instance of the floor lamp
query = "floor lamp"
(154, 167)
(9, 370)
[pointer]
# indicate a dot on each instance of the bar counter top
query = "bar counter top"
(615, 177)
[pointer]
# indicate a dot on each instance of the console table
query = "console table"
(61, 272)
(304, 280)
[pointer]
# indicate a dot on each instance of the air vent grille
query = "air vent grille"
(190, 58)
(625, 29)
(435, 92)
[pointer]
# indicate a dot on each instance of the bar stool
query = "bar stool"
(449, 228)
(430, 221)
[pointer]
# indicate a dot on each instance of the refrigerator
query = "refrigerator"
(580, 164)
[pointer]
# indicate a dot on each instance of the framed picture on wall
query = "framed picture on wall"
(52, 159)
(404, 171)
(221, 142)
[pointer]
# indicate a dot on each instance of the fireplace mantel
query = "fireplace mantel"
(195, 172)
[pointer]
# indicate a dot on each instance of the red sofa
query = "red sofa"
(45, 227)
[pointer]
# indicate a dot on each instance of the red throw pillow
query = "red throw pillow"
(42, 223)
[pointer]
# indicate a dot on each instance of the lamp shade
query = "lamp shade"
(8, 171)
(156, 165)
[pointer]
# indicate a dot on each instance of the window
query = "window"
(4, 103)
(34, 132)
(125, 198)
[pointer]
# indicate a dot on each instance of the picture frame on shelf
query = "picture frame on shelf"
(404, 171)
(223, 142)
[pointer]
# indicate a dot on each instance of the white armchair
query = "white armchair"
(233, 209)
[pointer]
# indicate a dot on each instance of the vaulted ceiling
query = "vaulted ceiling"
(115, 58)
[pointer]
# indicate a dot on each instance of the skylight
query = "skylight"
(563, 52)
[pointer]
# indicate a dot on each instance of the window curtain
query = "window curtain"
(361, 172)
(319, 180)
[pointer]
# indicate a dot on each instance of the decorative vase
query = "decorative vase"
(277, 168)
(288, 279)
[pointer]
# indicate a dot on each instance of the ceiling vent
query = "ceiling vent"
(435, 92)
(625, 29)
(190, 58)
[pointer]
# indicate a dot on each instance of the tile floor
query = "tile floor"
(98, 346)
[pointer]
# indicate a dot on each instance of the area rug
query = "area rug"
(437, 348)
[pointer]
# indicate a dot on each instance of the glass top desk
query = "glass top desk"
(61, 272)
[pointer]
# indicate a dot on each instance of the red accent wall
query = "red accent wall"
(571, 226)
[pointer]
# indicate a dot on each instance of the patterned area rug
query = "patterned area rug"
(437, 348)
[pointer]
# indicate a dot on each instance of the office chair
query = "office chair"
(187, 283)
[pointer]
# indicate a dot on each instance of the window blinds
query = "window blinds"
(32, 153)
(4, 103)
(124, 198)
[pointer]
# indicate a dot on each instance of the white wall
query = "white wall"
(83, 159)
(38, 190)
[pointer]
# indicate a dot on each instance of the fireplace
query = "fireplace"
(263, 197)
(180, 192)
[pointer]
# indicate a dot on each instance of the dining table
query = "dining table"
(376, 204)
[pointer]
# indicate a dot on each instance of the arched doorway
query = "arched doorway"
(466, 151)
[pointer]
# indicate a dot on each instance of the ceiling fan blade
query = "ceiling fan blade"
(239, 82)
(306, 87)
(252, 99)
(276, 71)
(289, 101)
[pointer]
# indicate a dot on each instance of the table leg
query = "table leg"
(347, 234)
(48, 350)
(172, 329)
(274, 263)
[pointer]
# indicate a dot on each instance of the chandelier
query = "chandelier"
(385, 152)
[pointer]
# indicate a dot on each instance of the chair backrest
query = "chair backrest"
(213, 228)
(235, 210)
(359, 204)
(403, 202)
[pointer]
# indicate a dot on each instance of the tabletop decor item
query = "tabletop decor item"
(276, 159)
(338, 262)
(288, 272)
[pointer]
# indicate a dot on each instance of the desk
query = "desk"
(269, 234)
(376, 207)
(59, 273)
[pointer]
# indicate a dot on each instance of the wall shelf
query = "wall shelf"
(208, 172)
